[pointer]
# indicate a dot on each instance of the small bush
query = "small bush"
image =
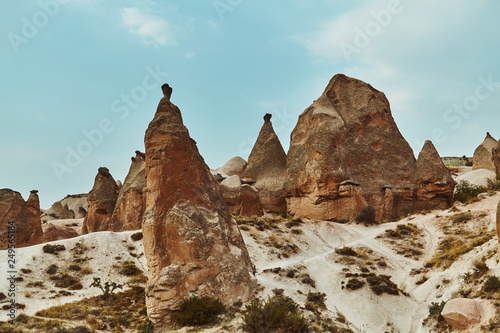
(492, 284)
(354, 284)
(461, 217)
(276, 314)
(52, 269)
(346, 251)
(67, 281)
(74, 267)
(2, 296)
(367, 216)
(435, 310)
(196, 311)
(317, 298)
(466, 192)
(382, 284)
(54, 249)
(26, 270)
(290, 273)
(108, 287)
(128, 268)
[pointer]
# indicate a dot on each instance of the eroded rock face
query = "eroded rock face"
(483, 155)
(267, 165)
(190, 240)
(241, 199)
(495, 152)
(498, 223)
(25, 215)
(434, 182)
(54, 230)
(130, 204)
(348, 134)
(73, 206)
(101, 202)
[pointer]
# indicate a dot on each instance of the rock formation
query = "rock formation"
(498, 225)
(483, 155)
(25, 215)
(101, 202)
(348, 136)
(54, 230)
(433, 179)
(235, 166)
(462, 313)
(241, 199)
(267, 165)
(192, 244)
(495, 152)
(130, 205)
(73, 206)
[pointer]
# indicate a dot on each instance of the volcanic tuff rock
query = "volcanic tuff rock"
(71, 207)
(131, 202)
(461, 313)
(495, 152)
(101, 202)
(483, 155)
(235, 166)
(26, 216)
(433, 179)
(498, 224)
(267, 165)
(241, 199)
(190, 240)
(348, 134)
(53, 231)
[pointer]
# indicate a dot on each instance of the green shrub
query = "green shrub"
(128, 268)
(367, 216)
(492, 284)
(466, 192)
(278, 314)
(196, 311)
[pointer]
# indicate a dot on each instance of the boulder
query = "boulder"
(250, 202)
(101, 202)
(267, 166)
(231, 192)
(192, 244)
(462, 313)
(483, 155)
(348, 134)
(25, 217)
(131, 203)
(480, 177)
(235, 166)
(433, 179)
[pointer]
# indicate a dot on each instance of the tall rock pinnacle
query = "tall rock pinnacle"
(192, 244)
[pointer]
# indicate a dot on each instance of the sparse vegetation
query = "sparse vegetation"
(129, 268)
(354, 284)
(466, 192)
(367, 216)
(491, 285)
(65, 280)
(108, 287)
(346, 251)
(53, 249)
(52, 269)
(277, 314)
(197, 311)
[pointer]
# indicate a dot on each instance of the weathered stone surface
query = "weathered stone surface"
(25, 215)
(498, 224)
(483, 155)
(101, 202)
(348, 133)
(250, 202)
(71, 207)
(190, 240)
(495, 152)
(235, 166)
(434, 182)
(461, 313)
(267, 165)
(131, 203)
(231, 192)
(58, 230)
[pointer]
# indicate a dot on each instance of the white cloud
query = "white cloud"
(153, 30)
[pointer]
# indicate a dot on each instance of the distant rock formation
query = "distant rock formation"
(101, 202)
(131, 203)
(235, 166)
(483, 155)
(71, 207)
(348, 136)
(26, 218)
(192, 244)
(433, 179)
(267, 165)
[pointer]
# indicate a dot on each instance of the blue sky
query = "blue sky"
(81, 79)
